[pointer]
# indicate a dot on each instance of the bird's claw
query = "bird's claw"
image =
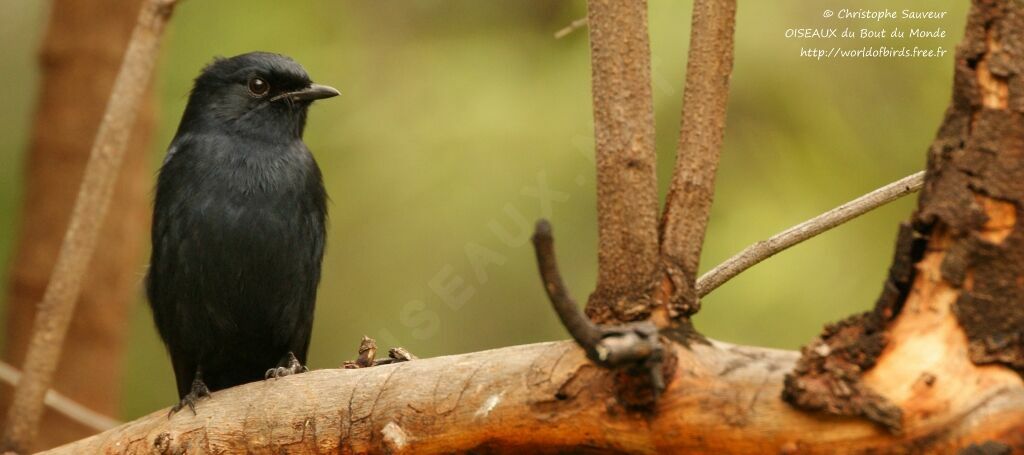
(293, 367)
(198, 392)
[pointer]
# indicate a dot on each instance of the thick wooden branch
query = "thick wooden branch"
(627, 195)
(705, 96)
(546, 398)
(58, 304)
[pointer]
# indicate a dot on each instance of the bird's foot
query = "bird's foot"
(198, 392)
(292, 366)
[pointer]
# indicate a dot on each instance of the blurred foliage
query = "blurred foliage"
(454, 112)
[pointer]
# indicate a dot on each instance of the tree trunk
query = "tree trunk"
(80, 56)
(953, 305)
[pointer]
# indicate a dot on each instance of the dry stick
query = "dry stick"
(572, 27)
(64, 405)
(765, 249)
(627, 196)
(58, 304)
(700, 140)
(586, 334)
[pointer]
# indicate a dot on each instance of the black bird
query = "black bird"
(238, 227)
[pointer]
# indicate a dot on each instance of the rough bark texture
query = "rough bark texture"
(543, 398)
(79, 58)
(705, 97)
(55, 310)
(954, 294)
(627, 202)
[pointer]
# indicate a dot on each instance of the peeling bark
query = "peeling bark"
(953, 307)
(542, 398)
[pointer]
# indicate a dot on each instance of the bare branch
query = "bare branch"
(705, 96)
(83, 38)
(627, 197)
(94, 195)
(64, 405)
(572, 27)
(764, 249)
(580, 328)
(548, 398)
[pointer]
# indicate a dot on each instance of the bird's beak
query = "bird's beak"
(313, 92)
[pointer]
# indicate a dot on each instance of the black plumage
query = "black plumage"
(238, 227)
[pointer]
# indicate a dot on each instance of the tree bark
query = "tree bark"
(953, 301)
(627, 202)
(705, 98)
(80, 55)
(546, 398)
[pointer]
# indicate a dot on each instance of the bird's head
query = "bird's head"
(258, 93)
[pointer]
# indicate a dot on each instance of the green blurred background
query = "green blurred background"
(454, 112)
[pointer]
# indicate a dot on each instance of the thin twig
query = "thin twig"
(688, 205)
(572, 27)
(64, 405)
(765, 249)
(58, 304)
(580, 328)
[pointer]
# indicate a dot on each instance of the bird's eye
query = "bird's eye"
(258, 87)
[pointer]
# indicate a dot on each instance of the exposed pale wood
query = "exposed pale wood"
(946, 328)
(724, 399)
